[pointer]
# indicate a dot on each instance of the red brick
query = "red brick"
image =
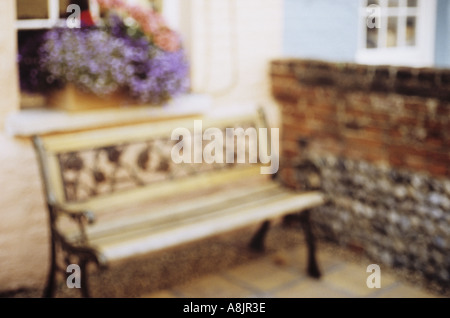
(353, 154)
(329, 146)
(395, 134)
(437, 169)
(325, 110)
(365, 143)
(379, 118)
(293, 120)
(396, 160)
(409, 121)
(358, 100)
(376, 156)
(365, 133)
(290, 152)
(321, 124)
(435, 143)
(280, 69)
(416, 106)
(356, 112)
(443, 109)
(385, 123)
(418, 151)
(417, 163)
(296, 130)
(288, 177)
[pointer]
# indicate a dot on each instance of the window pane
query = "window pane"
(391, 40)
(372, 38)
(32, 9)
(393, 3)
(412, 3)
(411, 31)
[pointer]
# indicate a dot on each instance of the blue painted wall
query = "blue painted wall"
(442, 55)
(328, 30)
(321, 29)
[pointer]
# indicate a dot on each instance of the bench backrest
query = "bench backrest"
(113, 166)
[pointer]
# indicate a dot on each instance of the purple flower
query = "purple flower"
(103, 60)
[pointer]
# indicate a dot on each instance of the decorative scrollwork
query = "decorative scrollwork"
(102, 170)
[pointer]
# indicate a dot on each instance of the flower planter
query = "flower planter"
(70, 98)
(143, 58)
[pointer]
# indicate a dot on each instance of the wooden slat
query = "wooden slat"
(166, 189)
(111, 136)
(190, 216)
(131, 133)
(157, 213)
(120, 247)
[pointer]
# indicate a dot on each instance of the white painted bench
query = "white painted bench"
(115, 192)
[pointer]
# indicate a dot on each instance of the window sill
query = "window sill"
(28, 122)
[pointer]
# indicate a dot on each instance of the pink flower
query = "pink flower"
(152, 23)
(167, 40)
(107, 4)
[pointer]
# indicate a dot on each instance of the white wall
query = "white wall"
(23, 227)
(231, 44)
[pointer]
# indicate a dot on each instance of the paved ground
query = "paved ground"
(223, 267)
(282, 275)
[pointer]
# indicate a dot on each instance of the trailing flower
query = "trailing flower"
(120, 55)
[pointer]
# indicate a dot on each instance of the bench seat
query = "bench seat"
(175, 223)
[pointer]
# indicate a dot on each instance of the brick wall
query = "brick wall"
(379, 137)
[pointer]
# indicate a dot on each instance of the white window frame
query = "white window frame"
(171, 12)
(420, 55)
(53, 17)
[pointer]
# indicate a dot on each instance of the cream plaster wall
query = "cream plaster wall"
(231, 43)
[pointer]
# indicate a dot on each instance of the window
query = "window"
(398, 32)
(43, 14)
(34, 16)
(39, 14)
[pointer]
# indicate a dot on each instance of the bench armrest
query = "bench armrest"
(87, 215)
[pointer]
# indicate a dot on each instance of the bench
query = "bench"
(116, 192)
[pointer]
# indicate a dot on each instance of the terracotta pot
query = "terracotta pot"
(72, 99)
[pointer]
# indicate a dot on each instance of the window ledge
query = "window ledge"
(41, 121)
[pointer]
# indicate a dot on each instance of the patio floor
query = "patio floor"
(224, 267)
(282, 275)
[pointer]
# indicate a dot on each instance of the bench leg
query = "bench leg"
(313, 268)
(49, 290)
(84, 279)
(257, 242)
